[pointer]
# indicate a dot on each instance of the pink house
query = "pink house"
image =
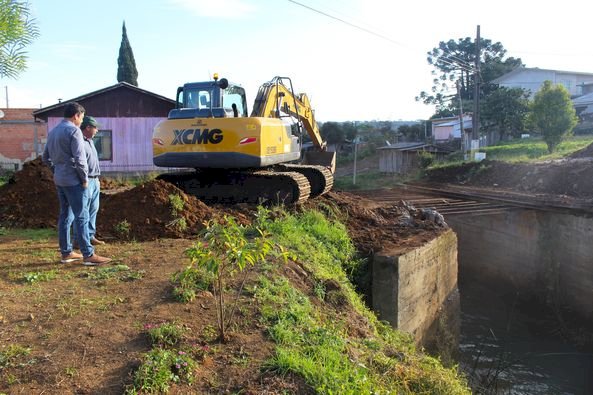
(127, 115)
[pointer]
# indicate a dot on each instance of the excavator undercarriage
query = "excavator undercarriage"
(285, 184)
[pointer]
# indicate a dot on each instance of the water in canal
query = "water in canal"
(508, 350)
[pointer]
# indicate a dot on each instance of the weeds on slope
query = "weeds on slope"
(319, 340)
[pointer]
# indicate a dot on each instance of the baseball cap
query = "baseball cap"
(89, 121)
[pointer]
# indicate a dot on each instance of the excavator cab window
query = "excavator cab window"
(196, 98)
(234, 101)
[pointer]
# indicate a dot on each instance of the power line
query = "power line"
(372, 32)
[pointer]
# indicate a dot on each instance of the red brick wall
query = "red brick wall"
(17, 136)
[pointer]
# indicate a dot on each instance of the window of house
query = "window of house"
(104, 145)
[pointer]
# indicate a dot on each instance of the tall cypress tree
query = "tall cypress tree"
(126, 65)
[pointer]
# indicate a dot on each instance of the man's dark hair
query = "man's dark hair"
(71, 109)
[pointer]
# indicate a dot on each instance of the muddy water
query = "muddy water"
(507, 350)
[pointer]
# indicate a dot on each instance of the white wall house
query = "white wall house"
(532, 79)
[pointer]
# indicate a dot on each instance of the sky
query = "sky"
(357, 60)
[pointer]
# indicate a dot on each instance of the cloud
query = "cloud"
(216, 9)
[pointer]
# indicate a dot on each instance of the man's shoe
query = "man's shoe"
(96, 242)
(71, 257)
(95, 260)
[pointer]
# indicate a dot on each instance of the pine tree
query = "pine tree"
(126, 65)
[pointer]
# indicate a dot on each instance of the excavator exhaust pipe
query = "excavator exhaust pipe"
(325, 158)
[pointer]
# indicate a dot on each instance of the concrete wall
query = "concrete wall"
(537, 253)
(413, 290)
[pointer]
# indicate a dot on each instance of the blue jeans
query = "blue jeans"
(94, 191)
(74, 207)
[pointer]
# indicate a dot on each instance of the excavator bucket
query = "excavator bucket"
(325, 158)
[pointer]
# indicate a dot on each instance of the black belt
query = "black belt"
(93, 176)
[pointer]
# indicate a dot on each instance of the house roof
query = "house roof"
(583, 100)
(414, 146)
(521, 69)
(102, 91)
(467, 123)
(17, 114)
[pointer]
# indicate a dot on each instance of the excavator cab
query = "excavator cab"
(210, 99)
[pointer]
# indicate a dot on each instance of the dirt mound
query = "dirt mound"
(373, 227)
(586, 152)
(29, 200)
(146, 213)
(562, 177)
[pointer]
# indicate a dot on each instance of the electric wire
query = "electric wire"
(384, 37)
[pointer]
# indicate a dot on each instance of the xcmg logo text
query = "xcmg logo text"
(197, 136)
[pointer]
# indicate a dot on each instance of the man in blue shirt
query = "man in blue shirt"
(65, 153)
(89, 129)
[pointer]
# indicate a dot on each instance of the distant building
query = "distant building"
(127, 115)
(532, 79)
(404, 158)
(446, 129)
(584, 106)
(21, 137)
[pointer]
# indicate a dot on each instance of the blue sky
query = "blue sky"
(348, 73)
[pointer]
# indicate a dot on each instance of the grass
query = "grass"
(165, 333)
(534, 149)
(32, 235)
(33, 277)
(161, 367)
(314, 343)
(189, 281)
(14, 355)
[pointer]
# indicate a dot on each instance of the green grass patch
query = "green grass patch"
(318, 348)
(164, 334)
(315, 239)
(532, 149)
(160, 368)
(15, 355)
(34, 235)
(35, 277)
(189, 281)
(314, 343)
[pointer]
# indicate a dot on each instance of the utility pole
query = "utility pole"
(464, 147)
(476, 116)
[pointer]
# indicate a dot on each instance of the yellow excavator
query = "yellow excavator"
(240, 158)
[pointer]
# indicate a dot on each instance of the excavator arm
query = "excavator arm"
(275, 98)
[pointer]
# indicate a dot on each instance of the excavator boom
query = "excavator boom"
(275, 99)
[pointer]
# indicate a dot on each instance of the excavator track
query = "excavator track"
(320, 177)
(231, 187)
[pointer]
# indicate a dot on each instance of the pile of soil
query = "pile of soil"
(586, 152)
(569, 177)
(374, 227)
(145, 213)
(29, 200)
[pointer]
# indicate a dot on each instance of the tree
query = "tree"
(506, 109)
(17, 30)
(553, 114)
(126, 65)
(333, 133)
(453, 62)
